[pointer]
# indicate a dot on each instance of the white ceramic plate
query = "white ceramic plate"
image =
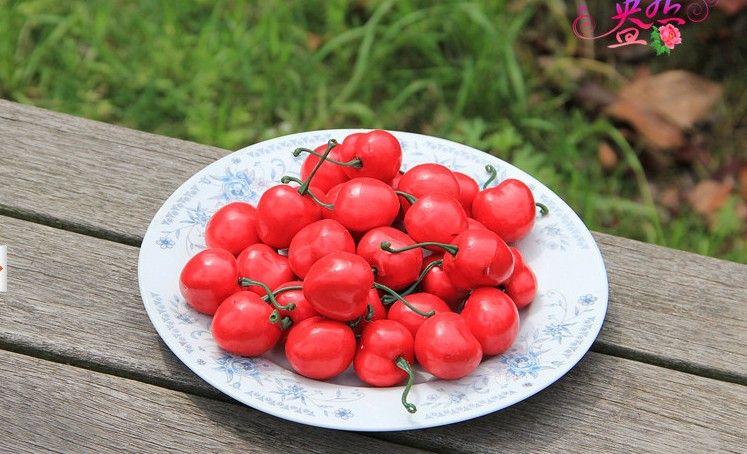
(556, 330)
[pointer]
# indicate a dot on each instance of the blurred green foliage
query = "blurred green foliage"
(231, 73)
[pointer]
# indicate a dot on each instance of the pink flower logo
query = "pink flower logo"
(663, 39)
(670, 35)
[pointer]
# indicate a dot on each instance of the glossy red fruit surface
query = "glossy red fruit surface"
(329, 174)
(445, 346)
(337, 286)
(365, 203)
(483, 260)
(425, 302)
(315, 241)
(378, 151)
(435, 217)
(468, 189)
(507, 209)
(281, 213)
(396, 271)
(382, 342)
(492, 318)
(436, 282)
(233, 227)
(320, 349)
(260, 262)
(242, 325)
(208, 278)
(424, 179)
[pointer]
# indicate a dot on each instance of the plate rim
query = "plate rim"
(182, 355)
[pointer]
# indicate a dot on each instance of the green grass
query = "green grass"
(231, 73)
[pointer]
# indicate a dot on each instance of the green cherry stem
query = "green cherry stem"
(389, 299)
(409, 197)
(450, 248)
(287, 179)
(404, 301)
(305, 185)
(369, 312)
(246, 282)
(274, 316)
(493, 174)
(405, 366)
(355, 162)
(544, 211)
(284, 289)
(354, 323)
(285, 323)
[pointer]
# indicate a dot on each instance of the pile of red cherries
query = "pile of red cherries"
(357, 262)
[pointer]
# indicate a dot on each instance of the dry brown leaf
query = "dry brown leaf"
(731, 7)
(679, 96)
(607, 157)
(655, 129)
(661, 106)
(709, 195)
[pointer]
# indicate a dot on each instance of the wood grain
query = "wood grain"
(676, 307)
(90, 314)
(666, 306)
(90, 174)
(57, 408)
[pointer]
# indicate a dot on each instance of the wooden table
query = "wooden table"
(83, 369)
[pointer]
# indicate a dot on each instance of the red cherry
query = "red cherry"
(378, 152)
(522, 286)
(337, 285)
(319, 348)
(365, 203)
(208, 278)
(424, 179)
(425, 302)
(315, 241)
(383, 342)
(282, 212)
(492, 318)
(259, 262)
(233, 227)
(242, 325)
(483, 260)
(446, 348)
(396, 271)
(436, 282)
(468, 189)
(378, 308)
(507, 209)
(329, 174)
(302, 310)
(435, 217)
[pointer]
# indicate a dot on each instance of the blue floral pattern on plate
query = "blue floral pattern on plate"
(556, 329)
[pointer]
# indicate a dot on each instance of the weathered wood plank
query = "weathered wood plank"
(676, 307)
(607, 404)
(112, 179)
(53, 407)
(91, 174)
(90, 314)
